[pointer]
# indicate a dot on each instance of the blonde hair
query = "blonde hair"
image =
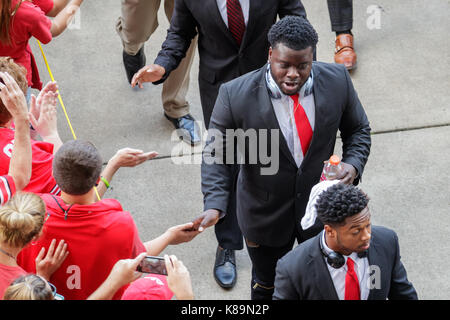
(29, 287)
(21, 219)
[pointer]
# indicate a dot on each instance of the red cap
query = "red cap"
(150, 287)
(335, 160)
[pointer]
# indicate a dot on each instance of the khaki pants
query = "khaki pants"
(138, 22)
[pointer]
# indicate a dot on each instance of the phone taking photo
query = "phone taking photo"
(156, 265)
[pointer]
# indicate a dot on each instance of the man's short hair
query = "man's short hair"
(18, 73)
(294, 32)
(77, 166)
(338, 202)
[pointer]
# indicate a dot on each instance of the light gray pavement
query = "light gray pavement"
(403, 81)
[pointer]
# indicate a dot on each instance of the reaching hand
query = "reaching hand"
(128, 157)
(151, 73)
(178, 278)
(47, 122)
(182, 233)
(13, 98)
(206, 219)
(124, 271)
(45, 267)
(347, 174)
(35, 103)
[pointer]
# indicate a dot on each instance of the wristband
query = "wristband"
(105, 182)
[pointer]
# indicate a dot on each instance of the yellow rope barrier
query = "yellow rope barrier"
(61, 101)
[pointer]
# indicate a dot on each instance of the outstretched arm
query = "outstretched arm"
(179, 37)
(63, 18)
(15, 102)
(125, 157)
(174, 235)
(47, 123)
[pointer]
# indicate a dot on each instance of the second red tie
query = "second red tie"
(351, 282)
(304, 129)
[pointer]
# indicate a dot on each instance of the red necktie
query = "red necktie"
(351, 282)
(304, 129)
(236, 22)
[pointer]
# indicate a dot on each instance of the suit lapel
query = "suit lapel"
(372, 257)
(249, 27)
(321, 274)
(268, 115)
(319, 105)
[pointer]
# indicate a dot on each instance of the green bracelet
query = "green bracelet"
(105, 182)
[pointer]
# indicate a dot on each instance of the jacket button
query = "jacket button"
(298, 195)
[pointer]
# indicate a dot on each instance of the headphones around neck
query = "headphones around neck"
(275, 91)
(335, 259)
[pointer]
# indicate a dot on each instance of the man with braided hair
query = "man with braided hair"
(349, 260)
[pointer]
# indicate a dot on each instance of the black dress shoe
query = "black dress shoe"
(133, 63)
(187, 129)
(225, 268)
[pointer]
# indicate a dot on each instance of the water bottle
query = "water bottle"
(331, 168)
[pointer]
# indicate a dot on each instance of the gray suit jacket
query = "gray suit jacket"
(269, 207)
(221, 59)
(302, 274)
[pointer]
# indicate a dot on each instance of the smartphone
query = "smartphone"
(151, 264)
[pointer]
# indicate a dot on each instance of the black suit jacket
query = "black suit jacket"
(221, 59)
(302, 274)
(269, 207)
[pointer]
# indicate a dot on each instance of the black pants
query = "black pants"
(341, 14)
(264, 262)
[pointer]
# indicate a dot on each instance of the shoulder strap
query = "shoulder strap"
(66, 212)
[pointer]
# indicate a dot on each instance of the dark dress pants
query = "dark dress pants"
(341, 14)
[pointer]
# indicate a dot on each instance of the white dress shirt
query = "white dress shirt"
(284, 111)
(222, 4)
(361, 266)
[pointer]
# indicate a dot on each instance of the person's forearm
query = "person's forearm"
(63, 18)
(156, 246)
(107, 173)
(58, 5)
(55, 140)
(20, 164)
(106, 290)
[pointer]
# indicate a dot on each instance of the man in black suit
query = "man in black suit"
(232, 40)
(349, 260)
(308, 102)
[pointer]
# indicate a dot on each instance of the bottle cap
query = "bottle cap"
(334, 160)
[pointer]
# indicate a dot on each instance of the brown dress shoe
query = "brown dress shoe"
(344, 53)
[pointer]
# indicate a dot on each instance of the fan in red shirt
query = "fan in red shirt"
(12, 101)
(20, 20)
(98, 234)
(41, 180)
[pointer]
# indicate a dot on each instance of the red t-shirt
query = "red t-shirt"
(7, 275)
(45, 5)
(29, 21)
(42, 180)
(97, 236)
(7, 189)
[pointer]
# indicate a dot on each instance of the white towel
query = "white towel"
(309, 218)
